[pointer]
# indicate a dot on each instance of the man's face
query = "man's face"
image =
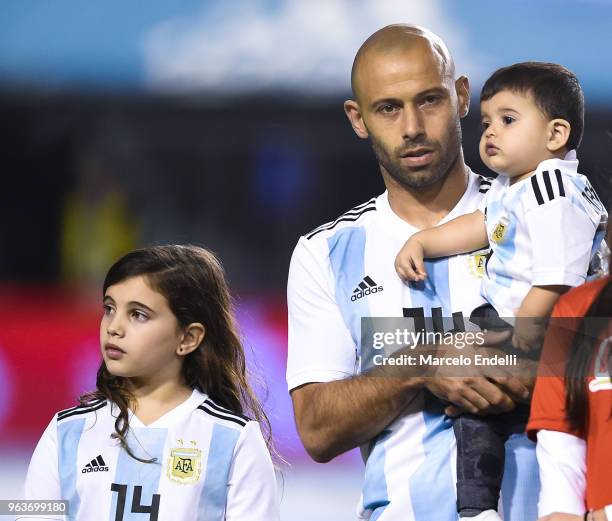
(410, 109)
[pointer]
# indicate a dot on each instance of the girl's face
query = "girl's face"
(140, 337)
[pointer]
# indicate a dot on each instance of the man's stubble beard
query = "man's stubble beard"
(416, 178)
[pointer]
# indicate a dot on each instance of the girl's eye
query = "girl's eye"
(507, 120)
(108, 310)
(139, 315)
(485, 125)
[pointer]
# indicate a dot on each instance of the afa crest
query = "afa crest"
(602, 380)
(500, 230)
(477, 262)
(184, 464)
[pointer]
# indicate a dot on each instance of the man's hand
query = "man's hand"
(409, 261)
(479, 392)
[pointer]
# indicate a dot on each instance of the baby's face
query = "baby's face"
(514, 136)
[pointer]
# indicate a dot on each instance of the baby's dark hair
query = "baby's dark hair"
(555, 89)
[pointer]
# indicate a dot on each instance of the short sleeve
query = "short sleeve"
(561, 234)
(42, 480)
(548, 410)
(320, 346)
(252, 490)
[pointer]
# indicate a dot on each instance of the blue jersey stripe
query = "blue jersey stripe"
(146, 444)
(521, 481)
(347, 258)
(375, 493)
(68, 438)
(214, 491)
(432, 488)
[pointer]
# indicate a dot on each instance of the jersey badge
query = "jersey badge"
(477, 262)
(185, 463)
(500, 230)
(602, 380)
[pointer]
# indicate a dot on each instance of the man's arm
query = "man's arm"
(334, 417)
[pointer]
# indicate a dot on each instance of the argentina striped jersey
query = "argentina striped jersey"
(543, 230)
(343, 271)
(209, 464)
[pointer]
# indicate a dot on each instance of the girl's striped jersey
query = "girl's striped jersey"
(344, 270)
(209, 464)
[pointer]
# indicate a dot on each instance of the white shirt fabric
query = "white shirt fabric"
(542, 230)
(211, 465)
(562, 462)
(344, 270)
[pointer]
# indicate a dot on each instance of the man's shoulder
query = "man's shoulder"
(356, 216)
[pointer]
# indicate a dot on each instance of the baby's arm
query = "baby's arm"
(463, 234)
(531, 316)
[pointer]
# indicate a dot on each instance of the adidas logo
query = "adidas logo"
(95, 465)
(366, 287)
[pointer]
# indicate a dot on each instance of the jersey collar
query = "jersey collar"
(173, 415)
(399, 227)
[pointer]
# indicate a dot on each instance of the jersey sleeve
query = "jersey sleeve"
(320, 347)
(42, 480)
(561, 234)
(252, 491)
(562, 464)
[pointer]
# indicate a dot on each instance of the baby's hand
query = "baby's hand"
(409, 261)
(528, 333)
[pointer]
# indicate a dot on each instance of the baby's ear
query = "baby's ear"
(558, 135)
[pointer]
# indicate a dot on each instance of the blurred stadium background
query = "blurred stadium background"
(221, 124)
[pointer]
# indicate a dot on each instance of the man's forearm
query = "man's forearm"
(334, 417)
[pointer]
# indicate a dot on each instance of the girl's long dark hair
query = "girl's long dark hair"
(581, 358)
(192, 281)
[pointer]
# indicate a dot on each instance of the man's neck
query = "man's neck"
(426, 207)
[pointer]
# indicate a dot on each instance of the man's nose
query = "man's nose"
(412, 123)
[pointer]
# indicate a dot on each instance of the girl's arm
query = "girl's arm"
(461, 235)
(252, 491)
(562, 463)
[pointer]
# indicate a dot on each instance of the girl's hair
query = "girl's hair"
(580, 360)
(192, 281)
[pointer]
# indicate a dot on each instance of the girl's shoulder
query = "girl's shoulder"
(212, 411)
(578, 300)
(82, 410)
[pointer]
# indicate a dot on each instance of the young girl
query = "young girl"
(572, 405)
(164, 436)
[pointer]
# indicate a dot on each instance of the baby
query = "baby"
(542, 220)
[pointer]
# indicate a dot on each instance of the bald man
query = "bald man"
(408, 103)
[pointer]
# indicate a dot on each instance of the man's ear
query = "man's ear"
(558, 134)
(353, 113)
(462, 88)
(193, 335)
